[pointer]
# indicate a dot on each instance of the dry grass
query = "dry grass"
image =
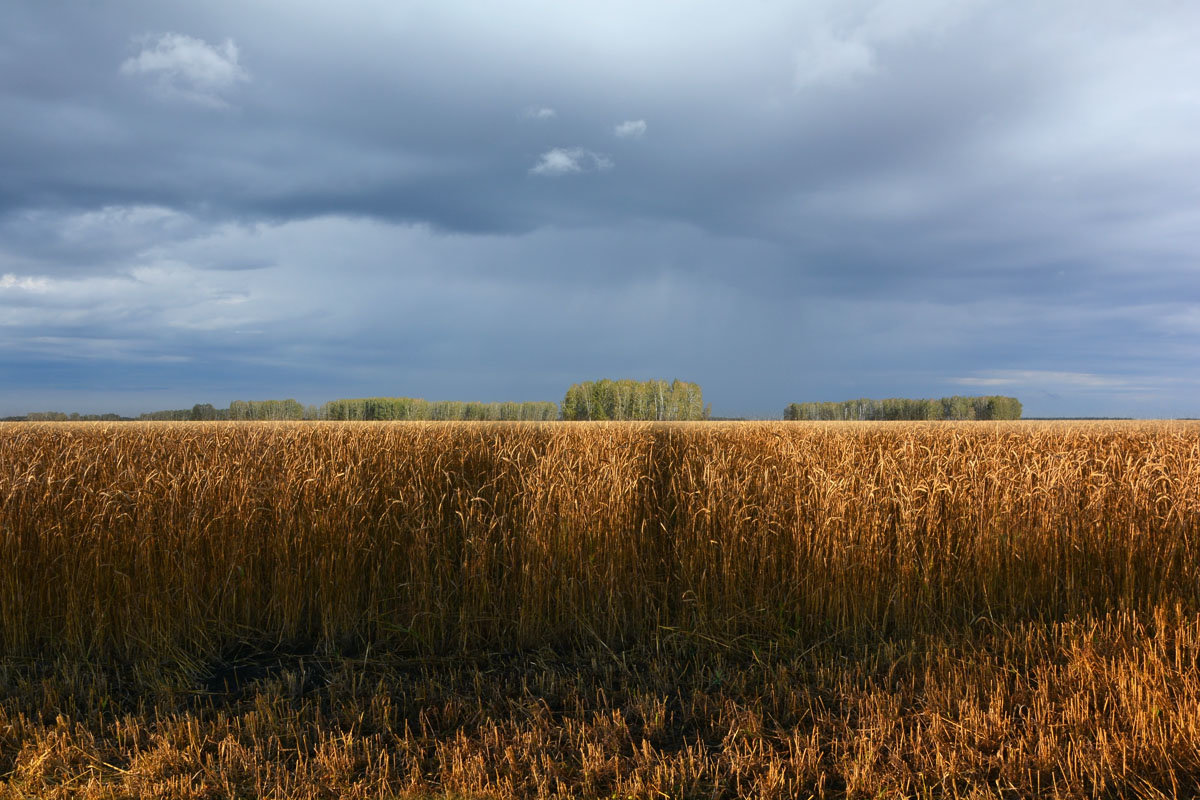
(687, 610)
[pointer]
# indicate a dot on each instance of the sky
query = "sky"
(780, 201)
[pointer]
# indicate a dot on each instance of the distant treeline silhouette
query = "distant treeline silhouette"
(903, 408)
(362, 408)
(589, 400)
(62, 416)
(238, 410)
(634, 400)
(398, 408)
(654, 400)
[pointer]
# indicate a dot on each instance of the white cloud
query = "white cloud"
(630, 129)
(843, 47)
(540, 112)
(1183, 321)
(85, 348)
(828, 59)
(1027, 377)
(26, 283)
(568, 160)
(188, 68)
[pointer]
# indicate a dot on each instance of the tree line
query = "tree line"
(62, 416)
(634, 400)
(413, 408)
(362, 408)
(588, 400)
(238, 410)
(982, 407)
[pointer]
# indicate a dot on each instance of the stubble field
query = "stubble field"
(599, 610)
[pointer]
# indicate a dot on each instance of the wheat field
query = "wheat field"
(600, 610)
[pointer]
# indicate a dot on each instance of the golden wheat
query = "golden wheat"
(128, 540)
(596, 610)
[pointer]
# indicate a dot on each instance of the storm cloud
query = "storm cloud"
(219, 201)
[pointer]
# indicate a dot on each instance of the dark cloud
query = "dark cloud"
(783, 203)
